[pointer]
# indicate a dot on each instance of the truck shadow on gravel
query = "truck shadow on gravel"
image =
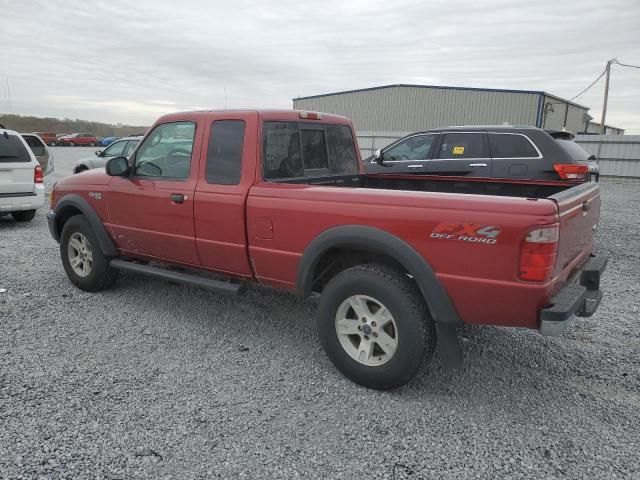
(499, 364)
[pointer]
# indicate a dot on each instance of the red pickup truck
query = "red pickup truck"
(279, 198)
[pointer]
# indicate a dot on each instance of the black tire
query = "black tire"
(101, 275)
(416, 335)
(81, 169)
(24, 215)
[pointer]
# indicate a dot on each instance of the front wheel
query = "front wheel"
(375, 327)
(83, 261)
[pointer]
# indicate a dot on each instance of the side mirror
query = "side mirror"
(98, 153)
(117, 167)
(378, 156)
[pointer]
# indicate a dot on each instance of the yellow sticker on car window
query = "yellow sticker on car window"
(458, 150)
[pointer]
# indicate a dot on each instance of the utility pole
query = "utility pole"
(606, 97)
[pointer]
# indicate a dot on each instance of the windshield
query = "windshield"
(12, 149)
(572, 149)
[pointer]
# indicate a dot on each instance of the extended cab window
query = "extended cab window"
(412, 148)
(293, 150)
(12, 149)
(507, 145)
(224, 154)
(462, 145)
(166, 152)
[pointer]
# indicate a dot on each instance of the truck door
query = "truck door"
(151, 211)
(461, 154)
(225, 178)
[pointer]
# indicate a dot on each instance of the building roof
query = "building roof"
(444, 87)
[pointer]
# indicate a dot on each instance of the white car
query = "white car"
(21, 178)
(120, 148)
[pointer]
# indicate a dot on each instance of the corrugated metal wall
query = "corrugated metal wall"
(618, 155)
(408, 109)
(593, 127)
(554, 117)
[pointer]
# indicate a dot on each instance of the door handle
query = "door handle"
(477, 164)
(415, 166)
(178, 197)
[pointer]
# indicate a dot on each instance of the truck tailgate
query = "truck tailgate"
(579, 211)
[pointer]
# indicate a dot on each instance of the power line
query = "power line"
(590, 85)
(625, 64)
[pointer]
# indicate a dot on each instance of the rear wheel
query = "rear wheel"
(81, 169)
(375, 327)
(24, 216)
(71, 144)
(92, 144)
(83, 260)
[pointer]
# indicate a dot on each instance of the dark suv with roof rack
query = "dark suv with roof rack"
(487, 151)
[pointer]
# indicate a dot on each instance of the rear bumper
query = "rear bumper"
(17, 202)
(580, 297)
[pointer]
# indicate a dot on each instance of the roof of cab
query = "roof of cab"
(264, 114)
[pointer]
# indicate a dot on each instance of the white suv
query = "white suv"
(21, 178)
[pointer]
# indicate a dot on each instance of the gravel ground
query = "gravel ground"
(153, 380)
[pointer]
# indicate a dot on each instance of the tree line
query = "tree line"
(24, 124)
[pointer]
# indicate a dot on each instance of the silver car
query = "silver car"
(123, 147)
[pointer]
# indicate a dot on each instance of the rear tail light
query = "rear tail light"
(568, 171)
(538, 254)
(38, 177)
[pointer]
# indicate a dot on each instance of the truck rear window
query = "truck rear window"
(293, 150)
(12, 149)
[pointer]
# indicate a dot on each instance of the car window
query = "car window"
(166, 152)
(224, 154)
(116, 149)
(416, 147)
(342, 149)
(462, 145)
(36, 146)
(295, 150)
(506, 145)
(281, 152)
(12, 149)
(572, 149)
(314, 152)
(131, 145)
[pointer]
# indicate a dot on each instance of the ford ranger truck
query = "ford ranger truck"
(278, 198)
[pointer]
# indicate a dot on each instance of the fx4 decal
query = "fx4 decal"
(466, 232)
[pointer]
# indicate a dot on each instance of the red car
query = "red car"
(78, 140)
(50, 138)
(278, 198)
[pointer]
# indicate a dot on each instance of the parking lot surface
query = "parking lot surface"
(155, 380)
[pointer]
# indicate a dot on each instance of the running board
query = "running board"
(179, 277)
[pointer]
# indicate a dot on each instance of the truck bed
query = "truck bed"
(427, 183)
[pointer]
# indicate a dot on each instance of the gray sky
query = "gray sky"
(130, 62)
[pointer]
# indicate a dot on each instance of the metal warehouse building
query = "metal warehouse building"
(408, 108)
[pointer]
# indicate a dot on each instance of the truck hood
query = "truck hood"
(91, 177)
